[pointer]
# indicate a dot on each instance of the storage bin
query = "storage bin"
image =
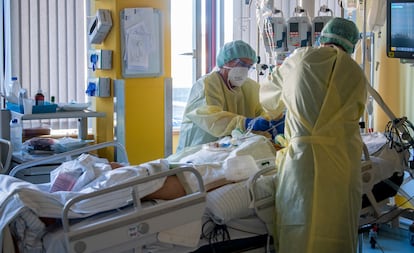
(45, 108)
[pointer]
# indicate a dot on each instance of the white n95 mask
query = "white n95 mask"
(237, 75)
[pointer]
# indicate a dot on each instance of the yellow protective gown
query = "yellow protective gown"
(213, 110)
(318, 195)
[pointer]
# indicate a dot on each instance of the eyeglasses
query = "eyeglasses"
(243, 64)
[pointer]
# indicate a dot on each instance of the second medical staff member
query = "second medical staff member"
(318, 194)
(224, 99)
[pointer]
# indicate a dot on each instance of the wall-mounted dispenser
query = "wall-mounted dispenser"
(100, 26)
(99, 59)
(99, 86)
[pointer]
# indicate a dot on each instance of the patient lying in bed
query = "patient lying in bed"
(210, 161)
(220, 163)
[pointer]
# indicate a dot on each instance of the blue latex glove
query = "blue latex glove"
(277, 127)
(257, 124)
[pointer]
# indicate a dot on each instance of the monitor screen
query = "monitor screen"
(294, 27)
(318, 26)
(400, 29)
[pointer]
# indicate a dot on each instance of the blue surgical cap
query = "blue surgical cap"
(235, 50)
(341, 32)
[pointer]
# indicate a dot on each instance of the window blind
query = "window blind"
(45, 47)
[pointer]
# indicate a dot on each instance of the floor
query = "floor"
(389, 240)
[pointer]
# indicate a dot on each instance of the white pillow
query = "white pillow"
(233, 201)
(228, 202)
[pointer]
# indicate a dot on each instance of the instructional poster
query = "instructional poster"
(141, 42)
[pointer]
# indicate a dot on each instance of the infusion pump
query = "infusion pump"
(274, 34)
(317, 24)
(298, 32)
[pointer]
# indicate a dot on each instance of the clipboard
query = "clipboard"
(141, 42)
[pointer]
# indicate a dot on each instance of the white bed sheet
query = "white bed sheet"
(211, 160)
(20, 197)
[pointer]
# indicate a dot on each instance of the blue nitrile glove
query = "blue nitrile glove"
(257, 124)
(277, 126)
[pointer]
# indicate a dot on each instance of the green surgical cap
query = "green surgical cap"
(341, 32)
(235, 50)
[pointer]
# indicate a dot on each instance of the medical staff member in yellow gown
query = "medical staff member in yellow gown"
(225, 99)
(318, 193)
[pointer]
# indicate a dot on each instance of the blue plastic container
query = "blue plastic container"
(45, 108)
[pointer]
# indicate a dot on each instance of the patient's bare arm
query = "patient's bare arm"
(171, 189)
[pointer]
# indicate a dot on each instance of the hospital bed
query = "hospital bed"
(179, 225)
(235, 217)
(383, 169)
(107, 217)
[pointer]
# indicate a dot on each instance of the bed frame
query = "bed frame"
(17, 171)
(135, 226)
(127, 228)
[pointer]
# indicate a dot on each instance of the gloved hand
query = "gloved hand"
(257, 124)
(277, 127)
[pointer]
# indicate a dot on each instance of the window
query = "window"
(182, 55)
(45, 47)
(195, 39)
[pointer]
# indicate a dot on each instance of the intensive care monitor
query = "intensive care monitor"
(400, 29)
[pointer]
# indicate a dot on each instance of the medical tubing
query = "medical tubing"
(249, 125)
(252, 121)
(276, 125)
(215, 232)
(381, 102)
(398, 123)
(397, 131)
(398, 214)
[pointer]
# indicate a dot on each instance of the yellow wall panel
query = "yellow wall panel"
(388, 84)
(144, 97)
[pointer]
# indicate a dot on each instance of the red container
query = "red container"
(39, 98)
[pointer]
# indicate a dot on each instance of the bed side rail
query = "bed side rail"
(263, 205)
(130, 184)
(66, 156)
(5, 151)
